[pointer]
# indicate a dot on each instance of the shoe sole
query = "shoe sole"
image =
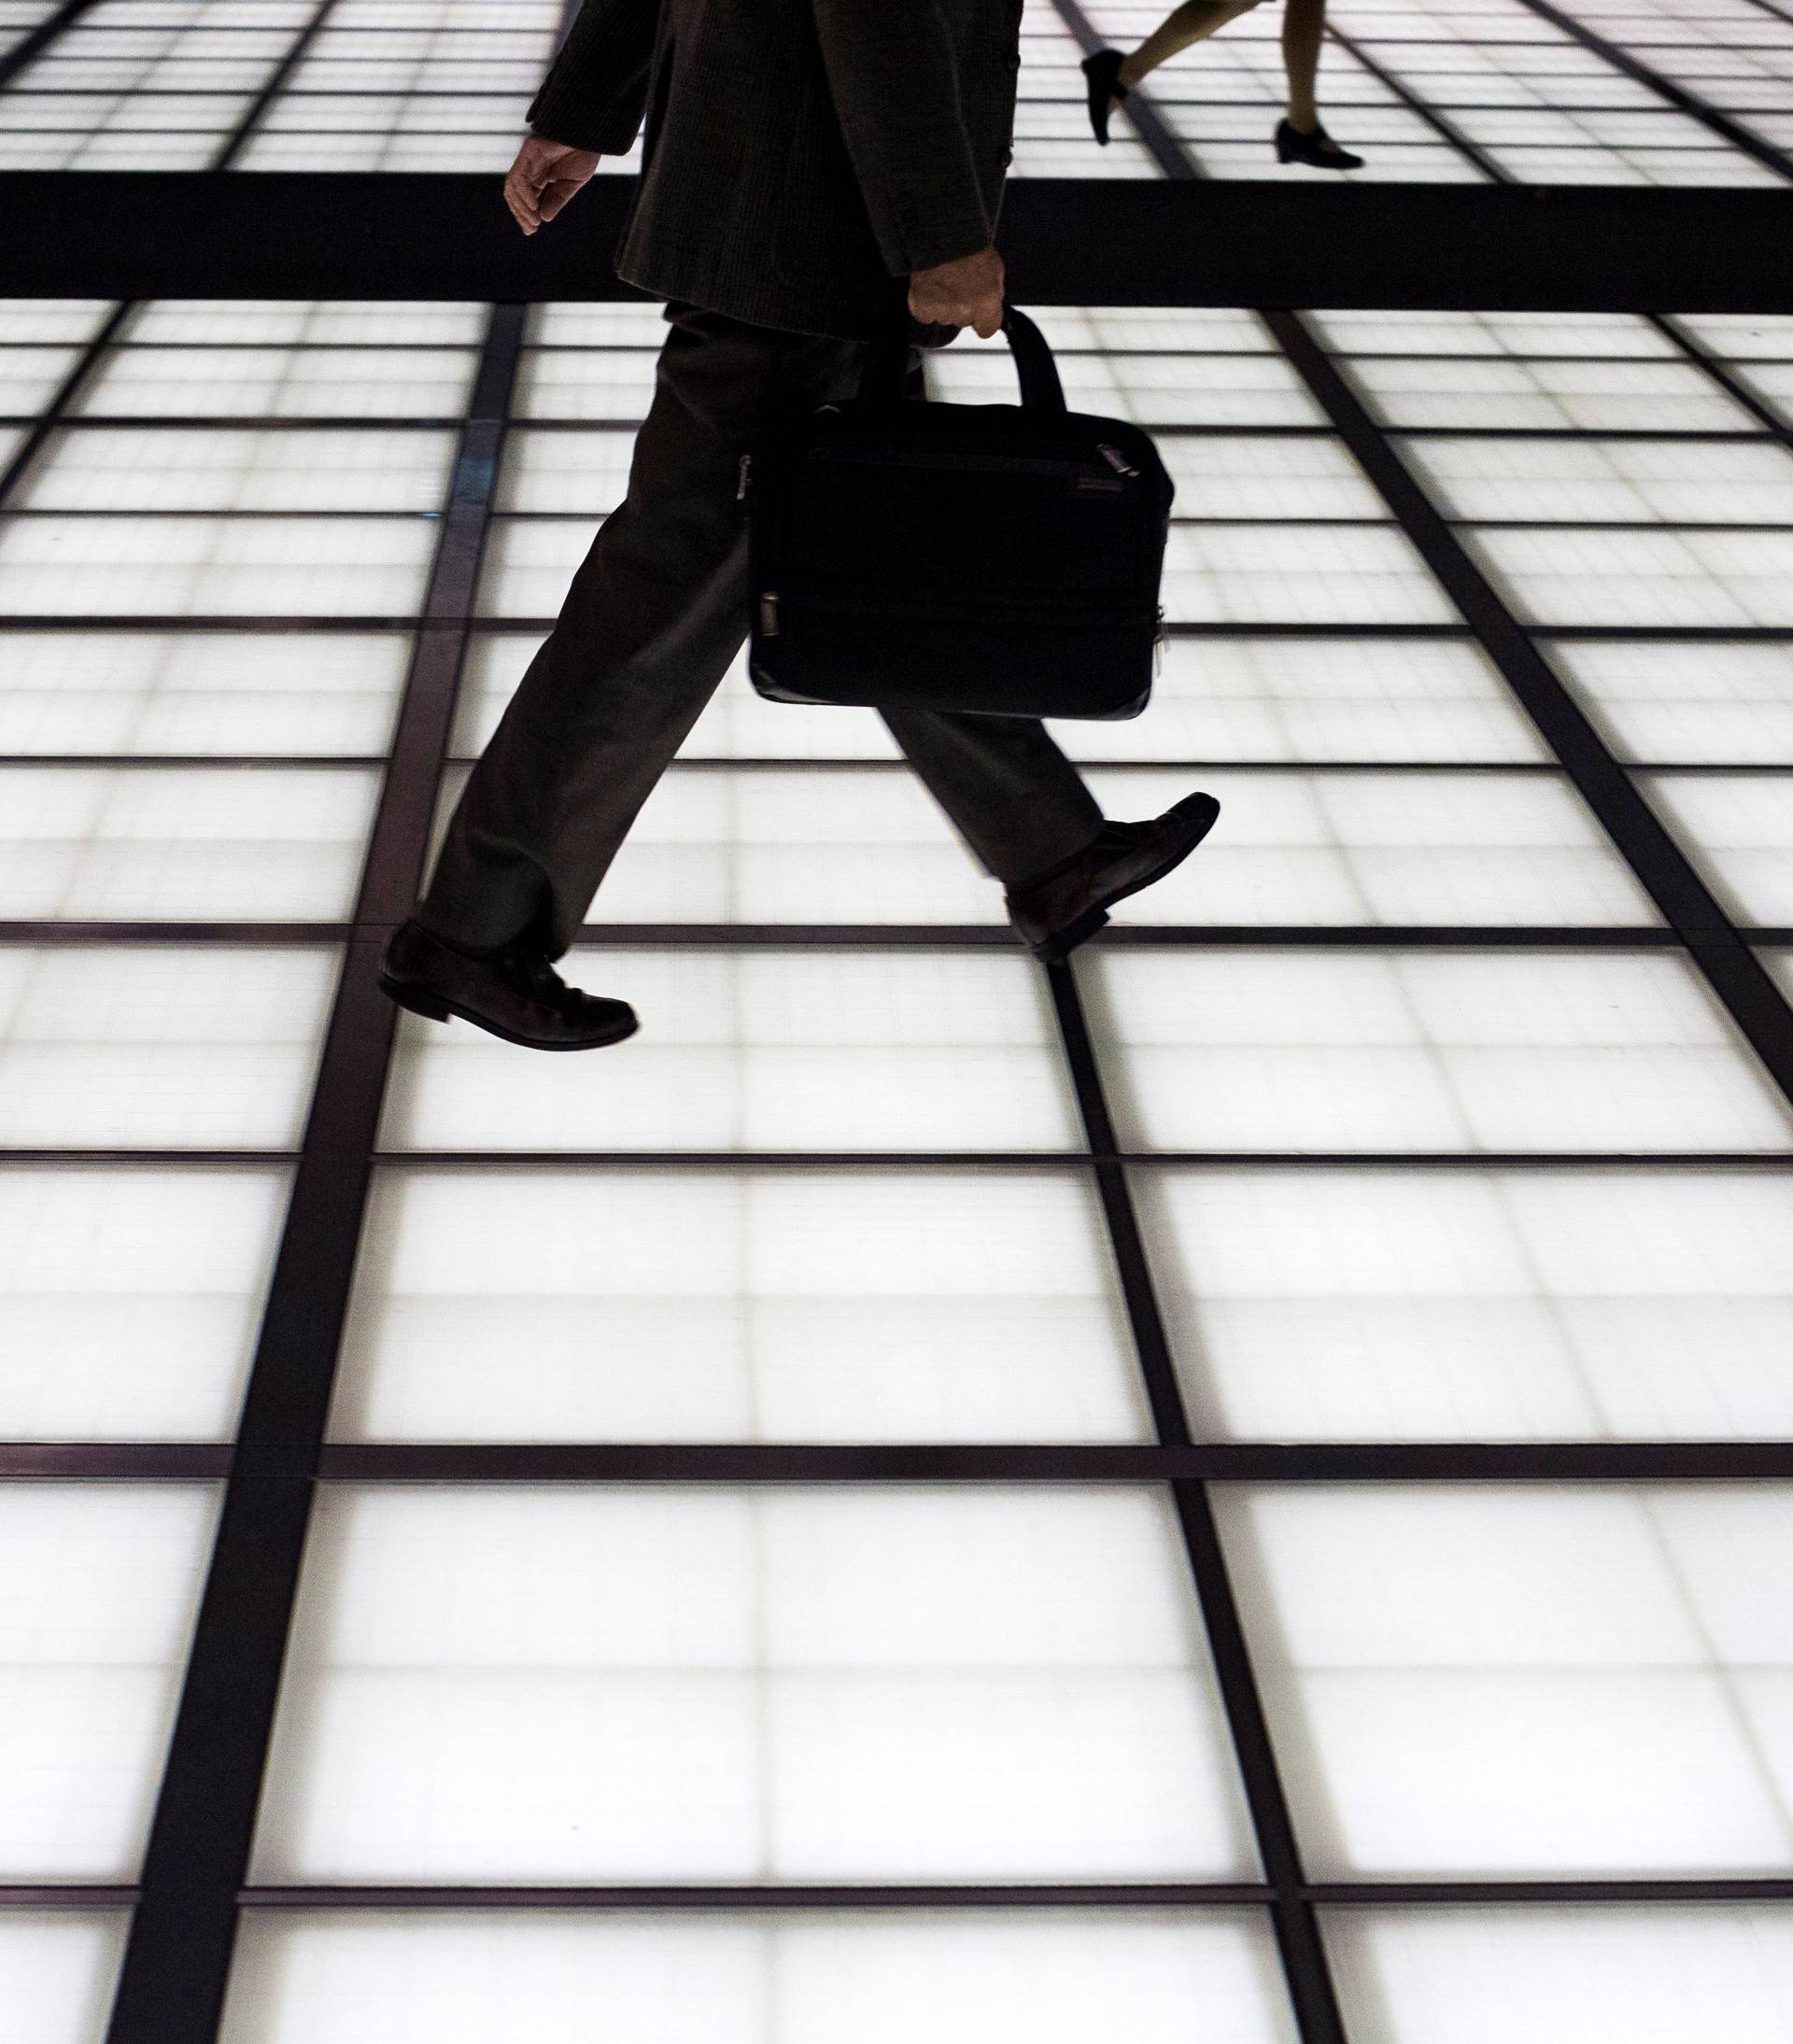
(417, 1000)
(1062, 943)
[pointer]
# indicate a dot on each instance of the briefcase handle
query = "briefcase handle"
(886, 369)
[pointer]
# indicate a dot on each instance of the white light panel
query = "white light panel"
(1653, 1975)
(1613, 481)
(570, 471)
(1390, 1305)
(159, 1047)
(627, 325)
(1595, 396)
(237, 693)
(1356, 698)
(283, 322)
(1673, 579)
(1741, 336)
(170, 468)
(530, 562)
(99, 566)
(1299, 574)
(1524, 1682)
(1296, 476)
(799, 1684)
(189, 844)
(1046, 1977)
(130, 1300)
(30, 378)
(1459, 849)
(98, 1588)
(585, 383)
(57, 1972)
(280, 383)
(1311, 1051)
(36, 321)
(780, 1307)
(1206, 389)
(1693, 701)
(1513, 334)
(811, 1050)
(737, 725)
(825, 845)
(1738, 830)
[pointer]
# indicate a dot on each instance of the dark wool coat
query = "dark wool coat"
(800, 154)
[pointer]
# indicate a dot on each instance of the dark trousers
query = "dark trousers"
(652, 623)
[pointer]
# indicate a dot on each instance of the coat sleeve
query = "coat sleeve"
(895, 80)
(596, 92)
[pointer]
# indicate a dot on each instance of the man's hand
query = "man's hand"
(544, 178)
(964, 293)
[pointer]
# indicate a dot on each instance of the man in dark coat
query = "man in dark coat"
(809, 167)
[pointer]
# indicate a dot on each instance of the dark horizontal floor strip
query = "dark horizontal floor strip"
(909, 937)
(1078, 241)
(1329, 1461)
(918, 1462)
(720, 764)
(221, 762)
(1593, 1891)
(64, 1896)
(1051, 1160)
(776, 1896)
(862, 1161)
(26, 932)
(149, 1158)
(135, 1461)
(845, 1897)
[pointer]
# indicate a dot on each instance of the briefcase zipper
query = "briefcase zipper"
(1081, 474)
(769, 614)
(745, 478)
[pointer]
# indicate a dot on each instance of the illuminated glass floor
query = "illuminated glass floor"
(919, 1497)
(1535, 91)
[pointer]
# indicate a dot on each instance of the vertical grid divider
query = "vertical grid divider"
(1293, 1920)
(1719, 372)
(89, 360)
(238, 140)
(176, 1964)
(29, 49)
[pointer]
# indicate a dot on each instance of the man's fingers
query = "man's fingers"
(556, 193)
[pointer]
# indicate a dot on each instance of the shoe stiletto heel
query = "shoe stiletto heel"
(1317, 147)
(1102, 74)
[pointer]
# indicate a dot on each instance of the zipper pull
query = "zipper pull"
(745, 482)
(769, 614)
(1116, 459)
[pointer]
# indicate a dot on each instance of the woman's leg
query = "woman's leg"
(1191, 22)
(1304, 23)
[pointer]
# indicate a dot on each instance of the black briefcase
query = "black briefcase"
(997, 558)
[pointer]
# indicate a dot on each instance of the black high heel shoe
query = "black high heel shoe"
(1103, 74)
(1316, 147)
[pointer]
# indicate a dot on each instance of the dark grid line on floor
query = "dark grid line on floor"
(176, 1962)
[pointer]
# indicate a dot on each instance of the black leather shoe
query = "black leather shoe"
(1056, 913)
(1101, 73)
(1316, 147)
(515, 993)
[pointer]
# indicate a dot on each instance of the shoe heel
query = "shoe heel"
(414, 1000)
(1062, 943)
